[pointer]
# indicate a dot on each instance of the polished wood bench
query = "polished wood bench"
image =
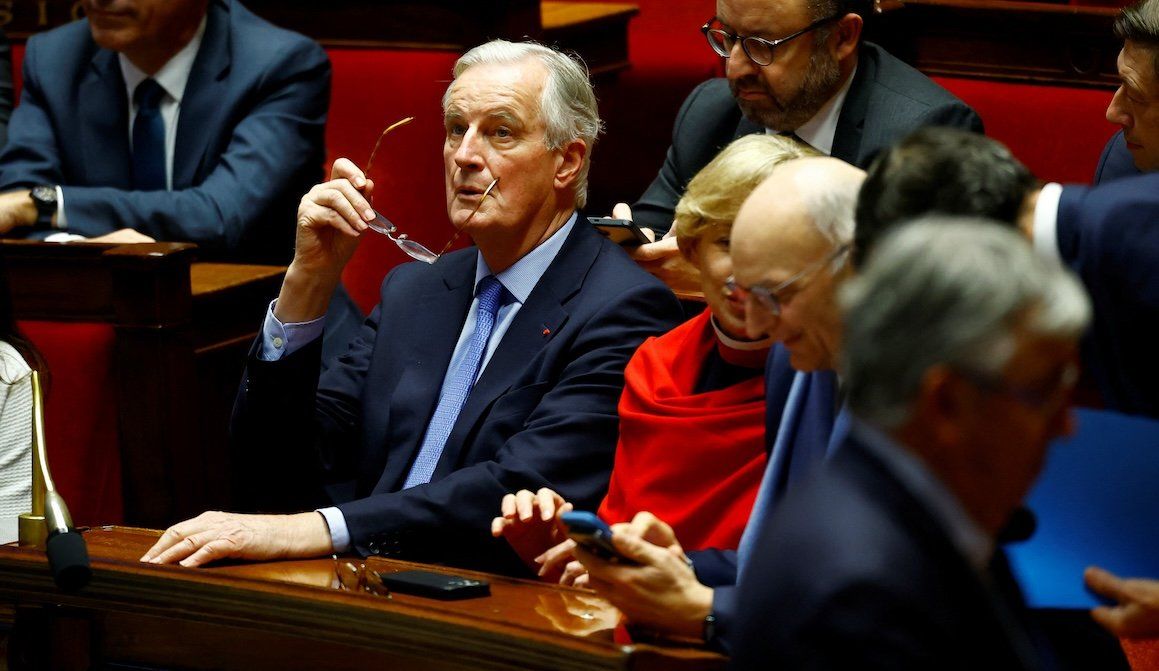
(293, 615)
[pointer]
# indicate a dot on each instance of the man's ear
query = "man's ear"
(846, 36)
(942, 401)
(571, 161)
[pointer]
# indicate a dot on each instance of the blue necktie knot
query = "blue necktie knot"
(148, 95)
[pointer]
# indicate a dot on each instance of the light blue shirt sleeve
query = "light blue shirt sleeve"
(339, 533)
(279, 340)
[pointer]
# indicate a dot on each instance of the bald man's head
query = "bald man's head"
(789, 243)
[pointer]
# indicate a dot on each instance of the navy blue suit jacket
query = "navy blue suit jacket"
(1116, 161)
(543, 412)
(887, 100)
(1109, 236)
(249, 136)
(852, 572)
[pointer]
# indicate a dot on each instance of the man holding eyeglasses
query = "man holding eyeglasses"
(792, 67)
(482, 371)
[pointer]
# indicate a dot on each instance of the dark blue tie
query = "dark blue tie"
(148, 138)
(458, 386)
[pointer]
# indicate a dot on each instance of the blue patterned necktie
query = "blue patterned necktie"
(148, 138)
(457, 387)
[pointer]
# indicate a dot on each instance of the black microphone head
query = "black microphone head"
(1020, 527)
(68, 556)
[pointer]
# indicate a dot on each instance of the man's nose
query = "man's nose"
(759, 322)
(738, 64)
(468, 155)
(1115, 112)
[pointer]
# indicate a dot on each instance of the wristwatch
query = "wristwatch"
(44, 198)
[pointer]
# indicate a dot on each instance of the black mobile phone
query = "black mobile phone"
(593, 534)
(620, 231)
(443, 586)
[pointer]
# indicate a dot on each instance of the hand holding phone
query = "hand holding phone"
(593, 534)
(620, 231)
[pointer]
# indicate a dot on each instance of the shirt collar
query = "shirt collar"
(525, 273)
(819, 131)
(739, 345)
(173, 75)
(970, 540)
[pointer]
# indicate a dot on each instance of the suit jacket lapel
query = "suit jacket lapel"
(545, 310)
(745, 127)
(104, 124)
(847, 141)
(201, 106)
(432, 327)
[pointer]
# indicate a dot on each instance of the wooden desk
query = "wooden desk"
(292, 615)
(183, 330)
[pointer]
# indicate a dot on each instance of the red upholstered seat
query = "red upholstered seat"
(81, 417)
(1057, 131)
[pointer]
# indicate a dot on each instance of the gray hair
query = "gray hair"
(947, 291)
(830, 205)
(567, 105)
(1139, 23)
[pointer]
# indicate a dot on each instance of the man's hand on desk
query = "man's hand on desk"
(16, 210)
(214, 536)
(663, 259)
(331, 219)
(662, 593)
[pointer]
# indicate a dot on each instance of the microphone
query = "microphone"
(49, 523)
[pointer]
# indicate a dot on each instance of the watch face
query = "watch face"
(44, 194)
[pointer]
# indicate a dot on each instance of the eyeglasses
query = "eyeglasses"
(1042, 396)
(355, 577)
(758, 49)
(380, 224)
(768, 298)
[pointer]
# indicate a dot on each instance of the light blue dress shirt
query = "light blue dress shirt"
(280, 339)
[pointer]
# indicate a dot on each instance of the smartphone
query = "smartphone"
(620, 231)
(442, 586)
(593, 534)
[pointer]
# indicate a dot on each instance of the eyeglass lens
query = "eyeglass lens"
(722, 42)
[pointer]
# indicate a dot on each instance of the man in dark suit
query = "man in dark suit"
(959, 361)
(820, 82)
(1135, 106)
(495, 369)
(175, 120)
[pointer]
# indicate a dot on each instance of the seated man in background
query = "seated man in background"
(692, 435)
(794, 67)
(960, 357)
(1135, 106)
(172, 120)
(1105, 234)
(495, 369)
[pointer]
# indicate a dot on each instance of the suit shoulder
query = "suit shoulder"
(895, 78)
(68, 47)
(710, 107)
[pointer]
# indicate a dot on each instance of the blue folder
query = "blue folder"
(1097, 503)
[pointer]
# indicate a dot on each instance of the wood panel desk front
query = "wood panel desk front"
(292, 615)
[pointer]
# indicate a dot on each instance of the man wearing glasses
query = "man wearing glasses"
(487, 370)
(793, 67)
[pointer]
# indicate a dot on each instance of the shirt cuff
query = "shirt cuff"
(61, 223)
(339, 534)
(279, 340)
(63, 237)
(1046, 221)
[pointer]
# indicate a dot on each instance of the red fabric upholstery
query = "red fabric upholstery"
(1058, 132)
(373, 88)
(1142, 654)
(81, 417)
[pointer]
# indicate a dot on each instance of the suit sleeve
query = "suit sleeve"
(566, 442)
(278, 140)
(6, 91)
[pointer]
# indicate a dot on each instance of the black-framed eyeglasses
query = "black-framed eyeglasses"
(355, 577)
(380, 224)
(758, 49)
(769, 297)
(1042, 396)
